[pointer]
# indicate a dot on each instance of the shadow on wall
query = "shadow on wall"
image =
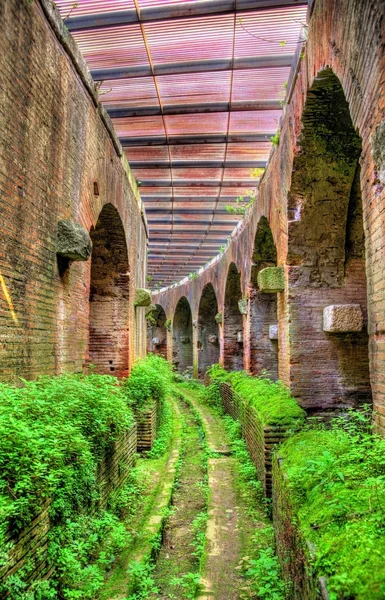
(157, 332)
(327, 281)
(109, 296)
(208, 330)
(233, 322)
(182, 337)
(263, 307)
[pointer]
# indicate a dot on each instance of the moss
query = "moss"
(336, 479)
(142, 297)
(272, 400)
(264, 247)
(271, 280)
(219, 318)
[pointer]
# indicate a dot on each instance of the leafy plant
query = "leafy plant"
(336, 478)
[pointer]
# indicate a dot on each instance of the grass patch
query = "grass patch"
(272, 401)
(336, 478)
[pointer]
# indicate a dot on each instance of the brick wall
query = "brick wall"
(260, 439)
(323, 371)
(295, 554)
(55, 143)
(147, 424)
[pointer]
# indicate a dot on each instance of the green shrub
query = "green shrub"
(272, 400)
(337, 482)
(150, 379)
(53, 432)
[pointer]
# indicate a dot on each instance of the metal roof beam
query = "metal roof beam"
(188, 109)
(172, 11)
(210, 138)
(194, 66)
(189, 211)
(199, 164)
(196, 183)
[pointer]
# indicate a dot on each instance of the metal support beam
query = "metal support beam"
(199, 164)
(188, 109)
(211, 138)
(197, 183)
(194, 66)
(172, 11)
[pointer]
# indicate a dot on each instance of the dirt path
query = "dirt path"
(229, 526)
(177, 568)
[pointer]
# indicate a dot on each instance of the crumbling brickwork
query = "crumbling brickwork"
(59, 160)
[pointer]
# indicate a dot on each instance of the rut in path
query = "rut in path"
(230, 523)
(229, 527)
(176, 563)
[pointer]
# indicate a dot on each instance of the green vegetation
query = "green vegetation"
(53, 433)
(177, 570)
(149, 380)
(260, 566)
(272, 400)
(275, 138)
(337, 482)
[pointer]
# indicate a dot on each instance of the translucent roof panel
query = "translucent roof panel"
(194, 89)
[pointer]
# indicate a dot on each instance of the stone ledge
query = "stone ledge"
(271, 280)
(73, 241)
(342, 318)
(273, 332)
(142, 297)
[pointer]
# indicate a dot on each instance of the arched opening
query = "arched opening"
(208, 332)
(157, 332)
(233, 322)
(263, 307)
(182, 337)
(326, 254)
(109, 295)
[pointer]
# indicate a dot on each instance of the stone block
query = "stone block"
(73, 241)
(271, 280)
(142, 297)
(342, 318)
(273, 332)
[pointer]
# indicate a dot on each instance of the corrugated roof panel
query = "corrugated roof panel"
(172, 81)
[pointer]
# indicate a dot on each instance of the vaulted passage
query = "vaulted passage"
(192, 299)
(157, 332)
(329, 341)
(208, 330)
(109, 295)
(233, 322)
(182, 337)
(263, 307)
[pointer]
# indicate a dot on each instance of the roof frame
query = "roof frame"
(169, 12)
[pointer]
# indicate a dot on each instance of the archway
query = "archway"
(208, 331)
(263, 307)
(109, 295)
(157, 332)
(326, 253)
(182, 337)
(233, 322)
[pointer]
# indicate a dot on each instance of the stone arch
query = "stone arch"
(182, 337)
(157, 332)
(263, 307)
(208, 330)
(109, 295)
(326, 256)
(233, 322)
